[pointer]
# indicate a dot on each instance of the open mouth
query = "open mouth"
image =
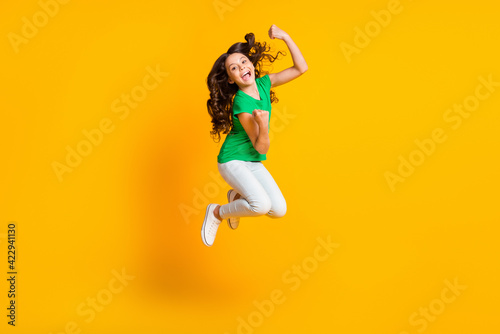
(247, 75)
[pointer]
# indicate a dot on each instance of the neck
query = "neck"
(251, 89)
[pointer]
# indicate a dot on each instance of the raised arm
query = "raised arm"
(299, 63)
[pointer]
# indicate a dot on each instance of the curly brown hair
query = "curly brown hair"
(220, 104)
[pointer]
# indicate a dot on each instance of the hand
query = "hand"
(261, 117)
(275, 32)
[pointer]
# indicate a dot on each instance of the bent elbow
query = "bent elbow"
(262, 150)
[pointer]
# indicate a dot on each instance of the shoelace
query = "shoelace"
(212, 229)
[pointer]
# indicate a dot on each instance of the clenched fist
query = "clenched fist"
(261, 117)
(275, 32)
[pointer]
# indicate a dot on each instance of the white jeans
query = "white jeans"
(260, 195)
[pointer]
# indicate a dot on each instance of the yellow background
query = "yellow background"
(121, 208)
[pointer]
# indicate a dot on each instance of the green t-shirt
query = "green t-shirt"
(237, 145)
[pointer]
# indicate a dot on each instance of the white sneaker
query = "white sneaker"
(210, 226)
(235, 221)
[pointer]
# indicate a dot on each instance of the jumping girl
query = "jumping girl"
(240, 104)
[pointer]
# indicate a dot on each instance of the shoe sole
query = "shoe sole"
(204, 224)
(228, 220)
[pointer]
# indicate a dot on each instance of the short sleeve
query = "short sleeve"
(266, 82)
(240, 106)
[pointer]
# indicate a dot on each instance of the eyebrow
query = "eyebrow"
(235, 63)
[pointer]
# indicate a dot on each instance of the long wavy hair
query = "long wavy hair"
(220, 104)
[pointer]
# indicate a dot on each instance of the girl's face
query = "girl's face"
(240, 70)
